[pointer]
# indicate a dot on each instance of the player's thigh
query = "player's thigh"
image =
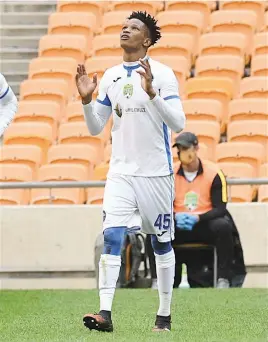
(119, 203)
(155, 196)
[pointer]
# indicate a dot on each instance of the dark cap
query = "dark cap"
(186, 139)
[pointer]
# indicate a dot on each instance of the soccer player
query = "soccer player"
(8, 105)
(143, 97)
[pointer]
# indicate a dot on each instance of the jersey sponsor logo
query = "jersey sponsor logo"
(191, 200)
(135, 110)
(128, 91)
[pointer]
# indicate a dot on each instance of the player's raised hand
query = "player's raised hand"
(84, 85)
(147, 78)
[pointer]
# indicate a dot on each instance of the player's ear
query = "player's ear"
(147, 42)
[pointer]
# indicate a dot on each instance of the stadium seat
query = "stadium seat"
(37, 134)
(63, 45)
(54, 67)
(259, 65)
(203, 153)
(238, 193)
(248, 109)
(203, 109)
(217, 88)
(77, 133)
(22, 154)
(82, 154)
(221, 66)
(151, 7)
(74, 111)
(95, 195)
(250, 130)
(39, 111)
(260, 44)
(107, 45)
(100, 172)
(204, 7)
(15, 173)
(265, 24)
(251, 153)
(242, 21)
(264, 170)
(107, 153)
(95, 7)
(60, 172)
(257, 6)
(263, 193)
(189, 22)
(73, 23)
(173, 45)
(223, 43)
(45, 90)
(255, 86)
(113, 22)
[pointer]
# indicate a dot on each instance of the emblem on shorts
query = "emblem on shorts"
(128, 90)
(118, 110)
(191, 200)
(103, 215)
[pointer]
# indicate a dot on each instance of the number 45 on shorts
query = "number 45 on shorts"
(163, 221)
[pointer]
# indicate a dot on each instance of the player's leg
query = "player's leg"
(155, 202)
(119, 208)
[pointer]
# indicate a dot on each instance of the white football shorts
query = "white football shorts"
(145, 202)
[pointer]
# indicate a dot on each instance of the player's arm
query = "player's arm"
(95, 116)
(8, 105)
(167, 104)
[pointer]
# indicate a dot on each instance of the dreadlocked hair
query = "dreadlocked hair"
(150, 22)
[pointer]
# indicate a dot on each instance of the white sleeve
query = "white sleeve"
(8, 105)
(97, 115)
(168, 104)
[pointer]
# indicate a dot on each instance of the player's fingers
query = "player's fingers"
(83, 69)
(142, 73)
(143, 65)
(95, 78)
(77, 76)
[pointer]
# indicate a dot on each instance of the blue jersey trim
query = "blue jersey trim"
(2, 96)
(105, 102)
(130, 68)
(165, 131)
(172, 97)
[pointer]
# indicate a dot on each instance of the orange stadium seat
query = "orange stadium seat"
(242, 21)
(95, 195)
(250, 130)
(54, 67)
(248, 109)
(77, 133)
(63, 45)
(259, 65)
(238, 193)
(15, 173)
(221, 66)
(21, 154)
(203, 153)
(173, 45)
(113, 22)
(255, 86)
(73, 23)
(257, 6)
(39, 111)
(107, 45)
(189, 22)
(203, 109)
(82, 154)
(34, 133)
(265, 22)
(264, 170)
(263, 193)
(260, 44)
(100, 171)
(74, 111)
(151, 7)
(107, 153)
(204, 7)
(95, 7)
(60, 172)
(251, 153)
(45, 89)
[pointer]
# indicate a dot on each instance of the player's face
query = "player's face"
(187, 155)
(134, 35)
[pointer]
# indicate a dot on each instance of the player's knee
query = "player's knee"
(160, 248)
(113, 240)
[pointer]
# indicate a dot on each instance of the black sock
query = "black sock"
(106, 314)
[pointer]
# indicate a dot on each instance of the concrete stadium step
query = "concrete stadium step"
(27, 18)
(17, 53)
(29, 6)
(16, 76)
(23, 30)
(20, 42)
(15, 65)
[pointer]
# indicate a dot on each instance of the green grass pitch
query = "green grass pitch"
(237, 315)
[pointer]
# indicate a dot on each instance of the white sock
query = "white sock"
(109, 267)
(165, 269)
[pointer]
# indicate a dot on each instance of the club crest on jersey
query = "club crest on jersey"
(128, 90)
(191, 200)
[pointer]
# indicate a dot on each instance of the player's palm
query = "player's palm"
(85, 85)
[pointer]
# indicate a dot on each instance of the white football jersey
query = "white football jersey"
(141, 132)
